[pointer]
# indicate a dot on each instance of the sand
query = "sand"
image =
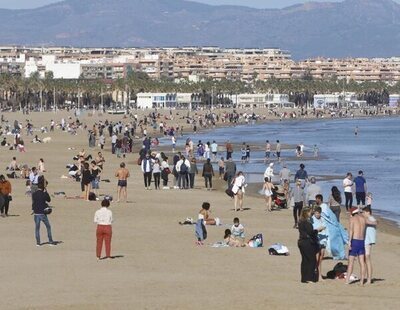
(159, 266)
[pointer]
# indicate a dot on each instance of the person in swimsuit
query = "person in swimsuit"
(267, 189)
(357, 243)
(122, 175)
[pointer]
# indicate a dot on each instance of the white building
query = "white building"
(156, 100)
(394, 100)
(263, 100)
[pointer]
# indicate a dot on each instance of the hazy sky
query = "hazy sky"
(14, 4)
(18, 4)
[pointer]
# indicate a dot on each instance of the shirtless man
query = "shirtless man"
(357, 243)
(122, 174)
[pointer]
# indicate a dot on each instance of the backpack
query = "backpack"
(256, 241)
(184, 168)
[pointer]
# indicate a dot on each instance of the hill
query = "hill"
(362, 28)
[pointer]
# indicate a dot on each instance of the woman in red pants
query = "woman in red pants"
(103, 219)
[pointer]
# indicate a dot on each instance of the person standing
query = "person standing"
(192, 172)
(96, 172)
(361, 188)
(284, 174)
(122, 175)
(221, 168)
(34, 179)
(208, 173)
(269, 172)
(298, 197)
(157, 173)
(335, 200)
(40, 198)
(348, 190)
(183, 167)
(165, 171)
(267, 151)
(230, 171)
(147, 170)
(308, 246)
(318, 224)
(103, 218)
(229, 150)
(356, 243)
(214, 150)
(267, 189)
(312, 190)
(370, 240)
(5, 195)
(278, 150)
(301, 175)
(86, 181)
(113, 142)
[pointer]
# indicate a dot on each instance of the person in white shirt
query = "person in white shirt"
(348, 190)
(214, 150)
(238, 189)
(103, 218)
(269, 172)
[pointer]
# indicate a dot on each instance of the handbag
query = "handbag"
(167, 171)
(9, 198)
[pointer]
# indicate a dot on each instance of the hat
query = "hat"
(271, 164)
(354, 210)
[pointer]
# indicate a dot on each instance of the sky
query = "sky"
(23, 4)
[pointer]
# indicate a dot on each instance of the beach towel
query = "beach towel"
(337, 236)
(220, 244)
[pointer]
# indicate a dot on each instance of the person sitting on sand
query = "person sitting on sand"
(36, 140)
(231, 240)
(237, 230)
(204, 214)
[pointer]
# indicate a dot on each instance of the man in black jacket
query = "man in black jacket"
(40, 198)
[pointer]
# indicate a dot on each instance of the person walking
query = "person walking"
(229, 150)
(103, 218)
(40, 198)
(183, 167)
(238, 190)
(5, 195)
(208, 173)
(308, 246)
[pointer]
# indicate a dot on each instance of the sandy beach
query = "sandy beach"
(157, 264)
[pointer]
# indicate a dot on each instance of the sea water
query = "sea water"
(375, 150)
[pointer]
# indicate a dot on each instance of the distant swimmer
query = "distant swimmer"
(356, 131)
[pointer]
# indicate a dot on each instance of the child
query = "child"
(318, 223)
(221, 167)
(28, 188)
(230, 240)
(369, 199)
(237, 230)
(370, 239)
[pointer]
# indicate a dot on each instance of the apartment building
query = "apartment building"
(191, 63)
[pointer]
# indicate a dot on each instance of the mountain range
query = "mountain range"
(352, 28)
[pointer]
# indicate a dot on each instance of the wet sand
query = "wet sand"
(158, 265)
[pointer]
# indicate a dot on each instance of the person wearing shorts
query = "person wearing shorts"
(122, 175)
